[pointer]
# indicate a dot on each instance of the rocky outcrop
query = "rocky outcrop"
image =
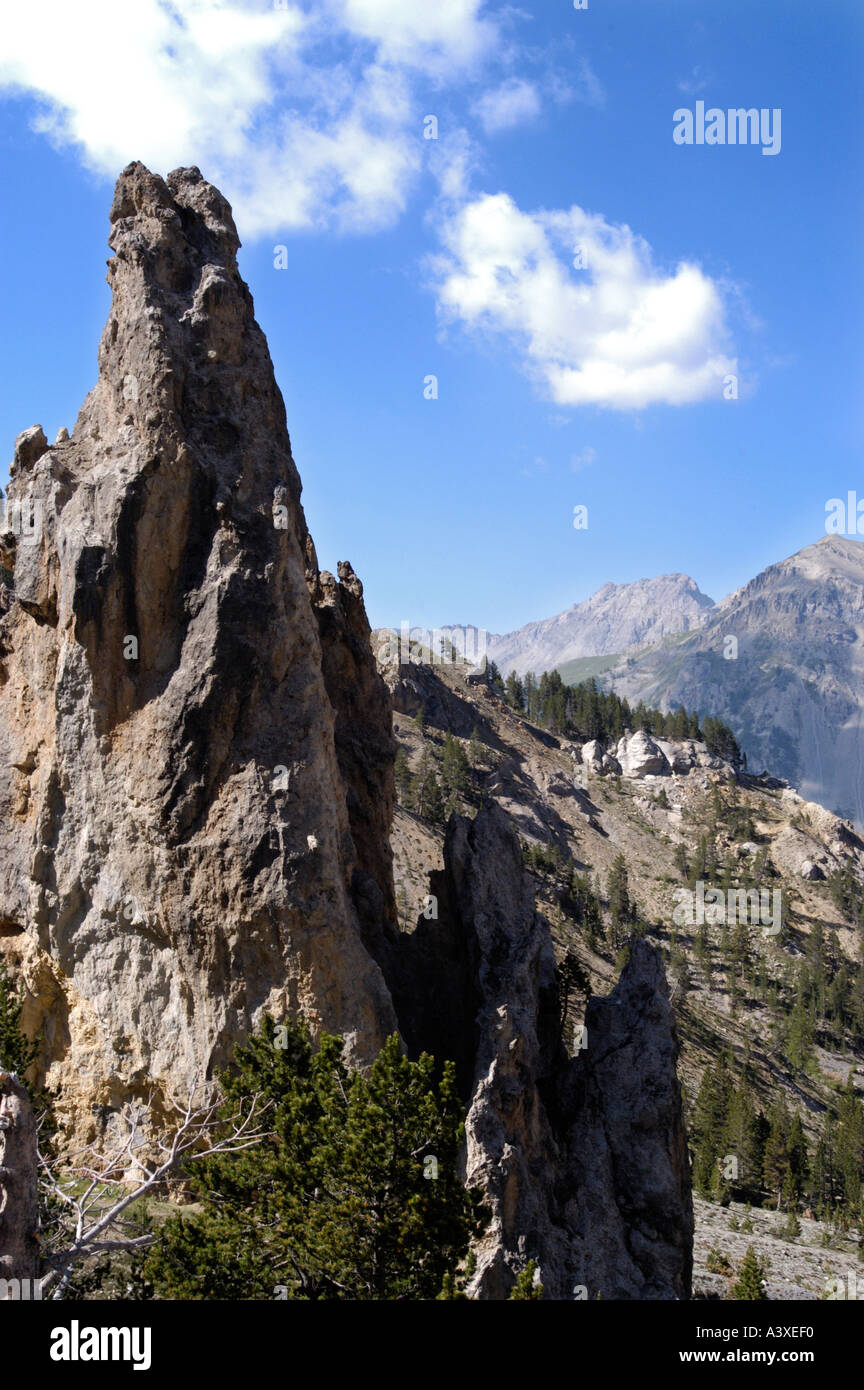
(638, 755)
(416, 686)
(597, 760)
(631, 1212)
(365, 747)
(583, 1162)
(782, 662)
(19, 1207)
(185, 812)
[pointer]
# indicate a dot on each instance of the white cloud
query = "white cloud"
(141, 80)
(583, 459)
(432, 34)
(506, 106)
(356, 167)
(617, 333)
(305, 114)
(453, 163)
(584, 85)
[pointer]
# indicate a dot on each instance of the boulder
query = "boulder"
(640, 756)
(811, 870)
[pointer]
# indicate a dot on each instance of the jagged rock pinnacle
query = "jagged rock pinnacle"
(176, 834)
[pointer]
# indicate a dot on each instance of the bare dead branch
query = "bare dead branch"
(97, 1209)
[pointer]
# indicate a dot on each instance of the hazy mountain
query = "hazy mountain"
(616, 617)
(793, 688)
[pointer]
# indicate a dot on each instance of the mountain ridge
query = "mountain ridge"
(780, 659)
(612, 619)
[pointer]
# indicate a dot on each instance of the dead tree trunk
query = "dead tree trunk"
(19, 1199)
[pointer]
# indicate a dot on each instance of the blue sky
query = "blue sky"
(557, 385)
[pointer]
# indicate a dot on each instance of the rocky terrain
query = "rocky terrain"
(202, 747)
(177, 847)
(813, 1266)
(649, 800)
(790, 682)
(780, 661)
(197, 789)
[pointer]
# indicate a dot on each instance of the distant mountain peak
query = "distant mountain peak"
(616, 617)
(794, 692)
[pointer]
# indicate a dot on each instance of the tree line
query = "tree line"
(585, 711)
(742, 1153)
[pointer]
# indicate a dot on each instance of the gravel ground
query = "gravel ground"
(798, 1270)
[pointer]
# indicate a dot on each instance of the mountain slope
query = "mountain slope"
(781, 661)
(746, 994)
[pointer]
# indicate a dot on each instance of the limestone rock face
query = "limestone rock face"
(583, 1161)
(639, 755)
(365, 746)
(685, 755)
(631, 1210)
(19, 1205)
(179, 796)
(593, 754)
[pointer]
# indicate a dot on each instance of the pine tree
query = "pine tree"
(529, 694)
(402, 776)
(799, 1165)
(849, 1145)
(429, 800)
(476, 749)
(570, 978)
(791, 1228)
(744, 1136)
(355, 1194)
(493, 676)
(709, 1125)
(719, 739)
(775, 1165)
(856, 997)
(514, 692)
(799, 1034)
(620, 905)
(453, 1285)
(824, 1177)
(525, 1286)
(584, 903)
(17, 1052)
(749, 1287)
(454, 772)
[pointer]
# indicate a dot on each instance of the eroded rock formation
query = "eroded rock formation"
(176, 827)
(583, 1160)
